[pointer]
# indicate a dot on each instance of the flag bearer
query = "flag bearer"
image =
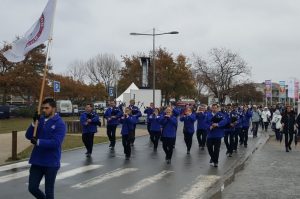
(46, 154)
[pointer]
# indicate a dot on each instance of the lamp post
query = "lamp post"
(153, 53)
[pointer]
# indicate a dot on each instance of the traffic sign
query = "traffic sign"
(56, 86)
(111, 91)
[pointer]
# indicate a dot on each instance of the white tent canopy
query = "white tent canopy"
(127, 91)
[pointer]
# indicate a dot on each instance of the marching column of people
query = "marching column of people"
(231, 123)
(212, 126)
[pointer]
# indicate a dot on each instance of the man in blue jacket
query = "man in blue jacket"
(247, 115)
(201, 126)
(137, 114)
(149, 111)
(112, 115)
(232, 120)
(46, 154)
(216, 123)
(89, 121)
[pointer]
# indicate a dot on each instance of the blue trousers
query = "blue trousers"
(36, 174)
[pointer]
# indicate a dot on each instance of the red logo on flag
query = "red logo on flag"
(39, 32)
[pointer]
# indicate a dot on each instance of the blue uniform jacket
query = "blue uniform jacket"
(155, 122)
(149, 111)
(240, 119)
(219, 118)
(136, 112)
(246, 118)
(113, 115)
(127, 125)
(189, 123)
(50, 135)
(92, 126)
(169, 126)
(201, 121)
(177, 111)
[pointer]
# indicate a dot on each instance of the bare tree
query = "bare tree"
(104, 68)
(77, 70)
(221, 71)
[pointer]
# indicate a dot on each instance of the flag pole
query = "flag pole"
(43, 86)
(45, 72)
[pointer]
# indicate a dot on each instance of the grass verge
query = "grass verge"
(21, 124)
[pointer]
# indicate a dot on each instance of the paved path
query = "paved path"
(271, 173)
(6, 145)
(145, 176)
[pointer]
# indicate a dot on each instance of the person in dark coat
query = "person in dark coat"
(288, 122)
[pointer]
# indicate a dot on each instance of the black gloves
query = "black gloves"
(33, 140)
(36, 117)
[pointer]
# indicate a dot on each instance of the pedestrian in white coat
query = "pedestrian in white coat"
(266, 116)
(277, 121)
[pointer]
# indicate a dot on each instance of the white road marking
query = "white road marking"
(18, 175)
(146, 182)
(200, 187)
(74, 172)
(102, 178)
(14, 166)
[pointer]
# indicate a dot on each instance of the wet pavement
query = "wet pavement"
(145, 176)
(271, 173)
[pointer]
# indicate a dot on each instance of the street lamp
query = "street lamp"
(153, 55)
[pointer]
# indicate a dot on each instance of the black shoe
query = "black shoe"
(216, 165)
(88, 155)
(230, 155)
(168, 161)
(112, 148)
(127, 158)
(287, 150)
(188, 152)
(202, 148)
(245, 145)
(290, 148)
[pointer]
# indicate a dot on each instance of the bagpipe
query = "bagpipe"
(91, 116)
(217, 118)
(115, 111)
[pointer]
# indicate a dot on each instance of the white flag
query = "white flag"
(40, 32)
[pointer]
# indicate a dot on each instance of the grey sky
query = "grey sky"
(266, 33)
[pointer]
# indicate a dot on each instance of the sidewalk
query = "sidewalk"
(6, 141)
(6, 145)
(270, 173)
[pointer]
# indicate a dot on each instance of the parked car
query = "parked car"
(4, 112)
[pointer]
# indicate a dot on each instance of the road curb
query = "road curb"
(215, 191)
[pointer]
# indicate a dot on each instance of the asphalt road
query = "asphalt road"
(145, 176)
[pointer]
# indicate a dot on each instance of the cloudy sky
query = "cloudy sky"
(266, 33)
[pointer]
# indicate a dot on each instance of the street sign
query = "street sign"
(111, 91)
(56, 86)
